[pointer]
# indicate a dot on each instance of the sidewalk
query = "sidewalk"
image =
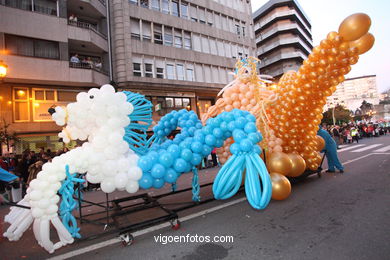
(28, 248)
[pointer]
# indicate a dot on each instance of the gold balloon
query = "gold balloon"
(320, 143)
(364, 43)
(279, 162)
(298, 165)
(354, 26)
(281, 186)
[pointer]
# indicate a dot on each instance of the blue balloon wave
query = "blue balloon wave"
(167, 159)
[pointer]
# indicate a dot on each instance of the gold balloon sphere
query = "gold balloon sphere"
(279, 162)
(354, 26)
(281, 186)
(320, 143)
(298, 165)
(364, 43)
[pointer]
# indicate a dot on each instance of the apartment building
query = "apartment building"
(283, 36)
(38, 38)
(353, 91)
(179, 53)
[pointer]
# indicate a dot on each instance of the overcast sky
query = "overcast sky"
(326, 16)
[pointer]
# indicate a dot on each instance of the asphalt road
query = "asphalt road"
(338, 216)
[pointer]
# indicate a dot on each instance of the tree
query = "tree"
(6, 137)
(341, 114)
(365, 107)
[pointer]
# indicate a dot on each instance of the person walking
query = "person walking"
(355, 135)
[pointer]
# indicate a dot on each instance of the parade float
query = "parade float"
(253, 115)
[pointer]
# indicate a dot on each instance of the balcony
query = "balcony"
(280, 42)
(88, 73)
(87, 34)
(33, 70)
(282, 56)
(88, 8)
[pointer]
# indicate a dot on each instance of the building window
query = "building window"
(168, 38)
(202, 15)
(21, 104)
(165, 6)
(135, 30)
(148, 70)
(180, 71)
(137, 69)
(175, 8)
(24, 46)
(158, 39)
(144, 3)
(187, 40)
(178, 39)
(160, 73)
(238, 29)
(146, 31)
(172, 103)
(190, 75)
(134, 2)
(243, 31)
(193, 13)
(183, 10)
(170, 71)
(156, 5)
(45, 7)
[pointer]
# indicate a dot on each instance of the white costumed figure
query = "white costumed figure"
(99, 116)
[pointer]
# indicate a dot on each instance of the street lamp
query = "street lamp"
(3, 69)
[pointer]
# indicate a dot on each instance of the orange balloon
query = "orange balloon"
(298, 165)
(354, 26)
(281, 186)
(279, 162)
(320, 143)
(364, 43)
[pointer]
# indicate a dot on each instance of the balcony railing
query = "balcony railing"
(87, 26)
(103, 2)
(83, 65)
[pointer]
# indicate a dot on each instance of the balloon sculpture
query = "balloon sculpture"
(288, 113)
(117, 154)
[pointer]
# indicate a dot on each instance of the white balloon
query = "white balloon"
(107, 88)
(135, 173)
(37, 212)
(43, 203)
(107, 185)
(132, 186)
(121, 180)
(36, 195)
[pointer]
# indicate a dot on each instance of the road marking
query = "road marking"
(350, 148)
(343, 145)
(144, 231)
(366, 148)
(383, 149)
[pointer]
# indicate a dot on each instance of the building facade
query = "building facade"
(179, 53)
(352, 92)
(38, 38)
(283, 36)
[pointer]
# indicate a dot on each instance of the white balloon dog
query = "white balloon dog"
(99, 116)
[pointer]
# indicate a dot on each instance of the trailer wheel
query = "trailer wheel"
(175, 224)
(127, 239)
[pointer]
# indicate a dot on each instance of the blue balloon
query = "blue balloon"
(156, 128)
(180, 165)
(250, 128)
(160, 133)
(188, 168)
(219, 143)
(167, 131)
(194, 117)
(208, 130)
(191, 131)
(170, 176)
(186, 154)
(199, 138)
(158, 171)
(196, 159)
(144, 163)
(256, 149)
(254, 137)
(153, 155)
(190, 123)
(235, 148)
(166, 124)
(210, 140)
(238, 135)
(232, 126)
(241, 122)
(146, 181)
(223, 126)
(218, 133)
(173, 122)
(227, 134)
(250, 118)
(206, 150)
(158, 183)
(199, 125)
(166, 159)
(246, 145)
(197, 147)
(228, 117)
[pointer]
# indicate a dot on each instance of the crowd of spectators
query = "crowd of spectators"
(349, 133)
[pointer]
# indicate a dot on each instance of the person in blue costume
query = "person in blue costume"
(7, 176)
(330, 152)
